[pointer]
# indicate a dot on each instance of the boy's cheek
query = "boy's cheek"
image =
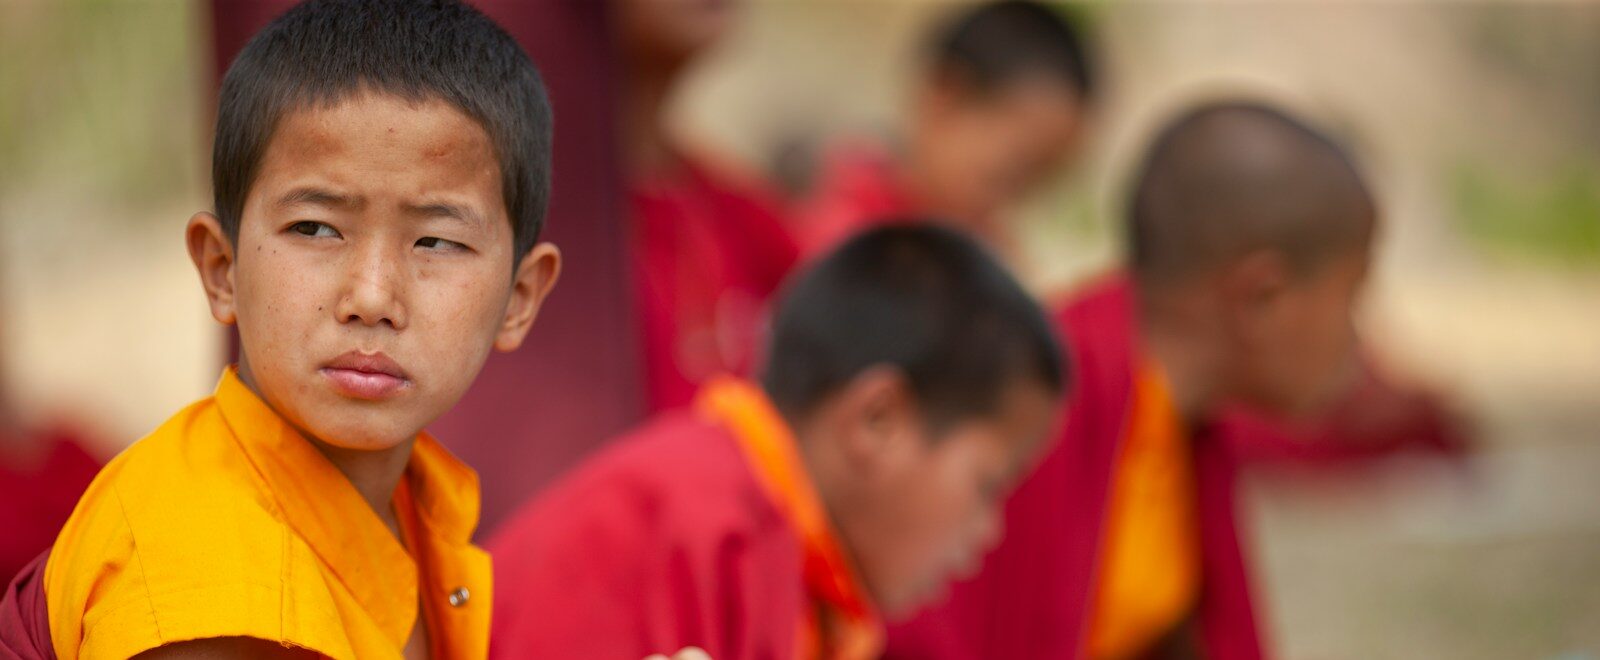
(461, 319)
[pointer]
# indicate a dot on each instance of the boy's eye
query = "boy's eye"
(315, 229)
(436, 243)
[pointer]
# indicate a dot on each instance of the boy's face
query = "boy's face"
(930, 508)
(372, 271)
(1295, 343)
(989, 150)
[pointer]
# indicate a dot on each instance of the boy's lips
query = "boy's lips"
(372, 376)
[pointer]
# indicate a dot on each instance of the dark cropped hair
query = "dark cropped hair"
(923, 299)
(323, 51)
(1230, 176)
(993, 43)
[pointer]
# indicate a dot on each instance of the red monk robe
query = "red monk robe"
(1377, 418)
(709, 248)
(41, 478)
(857, 189)
(1089, 562)
(699, 529)
(24, 617)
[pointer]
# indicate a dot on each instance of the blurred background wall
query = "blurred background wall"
(1478, 122)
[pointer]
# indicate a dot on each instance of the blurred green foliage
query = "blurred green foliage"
(1551, 216)
(101, 98)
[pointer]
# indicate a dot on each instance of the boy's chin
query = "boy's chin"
(901, 607)
(362, 436)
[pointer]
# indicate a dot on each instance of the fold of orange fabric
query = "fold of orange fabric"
(1149, 576)
(844, 623)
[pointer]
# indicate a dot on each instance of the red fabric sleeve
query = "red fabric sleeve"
(662, 542)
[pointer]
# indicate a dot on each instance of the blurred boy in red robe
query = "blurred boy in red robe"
(999, 106)
(1250, 237)
(911, 382)
(709, 244)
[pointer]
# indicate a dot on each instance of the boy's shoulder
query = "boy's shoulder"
(176, 534)
(661, 540)
(189, 470)
(676, 482)
(678, 475)
(192, 452)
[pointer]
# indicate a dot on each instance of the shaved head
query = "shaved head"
(1227, 179)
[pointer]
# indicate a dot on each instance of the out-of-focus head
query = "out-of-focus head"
(666, 34)
(1002, 104)
(922, 381)
(1269, 220)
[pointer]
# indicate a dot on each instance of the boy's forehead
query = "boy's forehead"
(371, 120)
(381, 143)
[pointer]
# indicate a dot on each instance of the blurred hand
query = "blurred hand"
(688, 653)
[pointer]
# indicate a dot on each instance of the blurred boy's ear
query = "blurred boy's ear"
(535, 277)
(1257, 278)
(878, 420)
(1251, 286)
(212, 254)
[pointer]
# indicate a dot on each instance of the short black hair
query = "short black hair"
(1230, 176)
(923, 299)
(994, 43)
(323, 51)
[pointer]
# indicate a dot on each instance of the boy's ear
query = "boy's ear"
(535, 277)
(212, 254)
(882, 418)
(1252, 286)
(1257, 279)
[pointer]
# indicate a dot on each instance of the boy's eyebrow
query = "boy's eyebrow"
(319, 196)
(463, 212)
(323, 197)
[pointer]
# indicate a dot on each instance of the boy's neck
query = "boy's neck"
(375, 474)
(1180, 346)
(819, 467)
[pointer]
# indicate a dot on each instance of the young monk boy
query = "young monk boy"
(1250, 236)
(910, 382)
(380, 171)
(999, 105)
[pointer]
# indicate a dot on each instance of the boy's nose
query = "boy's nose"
(374, 294)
